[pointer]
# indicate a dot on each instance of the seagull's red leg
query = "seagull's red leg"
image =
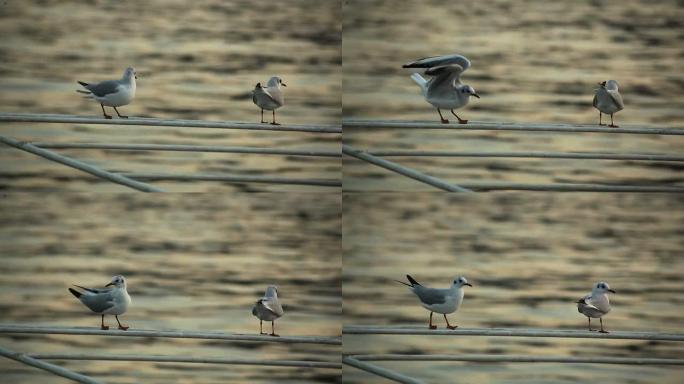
(273, 329)
(102, 326)
(611, 122)
(600, 118)
(460, 121)
(117, 112)
(262, 116)
(589, 318)
(105, 113)
(449, 325)
(602, 330)
(432, 326)
(121, 327)
(274, 122)
(444, 121)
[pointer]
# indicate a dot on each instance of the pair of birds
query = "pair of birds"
(448, 300)
(444, 90)
(113, 299)
(117, 93)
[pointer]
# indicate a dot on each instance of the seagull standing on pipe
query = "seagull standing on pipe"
(270, 97)
(444, 90)
(596, 304)
(112, 93)
(607, 99)
(268, 309)
(111, 300)
(442, 301)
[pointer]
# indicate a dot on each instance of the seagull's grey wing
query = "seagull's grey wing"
(254, 97)
(617, 98)
(104, 88)
(94, 290)
(272, 305)
(595, 102)
(98, 302)
(440, 61)
(429, 295)
(442, 75)
(276, 95)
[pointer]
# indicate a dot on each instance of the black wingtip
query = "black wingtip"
(82, 83)
(75, 292)
(412, 280)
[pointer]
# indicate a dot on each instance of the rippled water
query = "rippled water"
(197, 61)
(529, 258)
(193, 262)
(532, 61)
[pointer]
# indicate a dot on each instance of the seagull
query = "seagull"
(596, 304)
(106, 301)
(270, 97)
(268, 309)
(444, 89)
(442, 301)
(607, 99)
(112, 93)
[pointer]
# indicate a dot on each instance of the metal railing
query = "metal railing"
(36, 359)
(131, 180)
(361, 361)
(375, 156)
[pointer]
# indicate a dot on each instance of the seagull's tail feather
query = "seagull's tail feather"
(420, 80)
(75, 293)
(401, 282)
(412, 280)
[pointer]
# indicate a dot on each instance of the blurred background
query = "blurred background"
(194, 264)
(530, 257)
(533, 61)
(194, 61)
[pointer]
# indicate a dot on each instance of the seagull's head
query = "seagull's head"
(117, 281)
(470, 91)
(611, 84)
(461, 281)
(602, 287)
(276, 81)
(130, 73)
(271, 291)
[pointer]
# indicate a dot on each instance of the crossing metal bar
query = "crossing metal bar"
(81, 166)
(542, 155)
(54, 369)
(379, 371)
(400, 169)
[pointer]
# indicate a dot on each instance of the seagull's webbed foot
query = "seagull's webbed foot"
(107, 117)
(460, 121)
(274, 123)
(104, 327)
(263, 333)
(445, 121)
(121, 327)
(614, 126)
(452, 326)
(274, 334)
(602, 124)
(603, 331)
(432, 326)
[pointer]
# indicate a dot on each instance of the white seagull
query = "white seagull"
(444, 89)
(607, 99)
(596, 304)
(270, 97)
(268, 309)
(442, 301)
(112, 93)
(111, 300)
